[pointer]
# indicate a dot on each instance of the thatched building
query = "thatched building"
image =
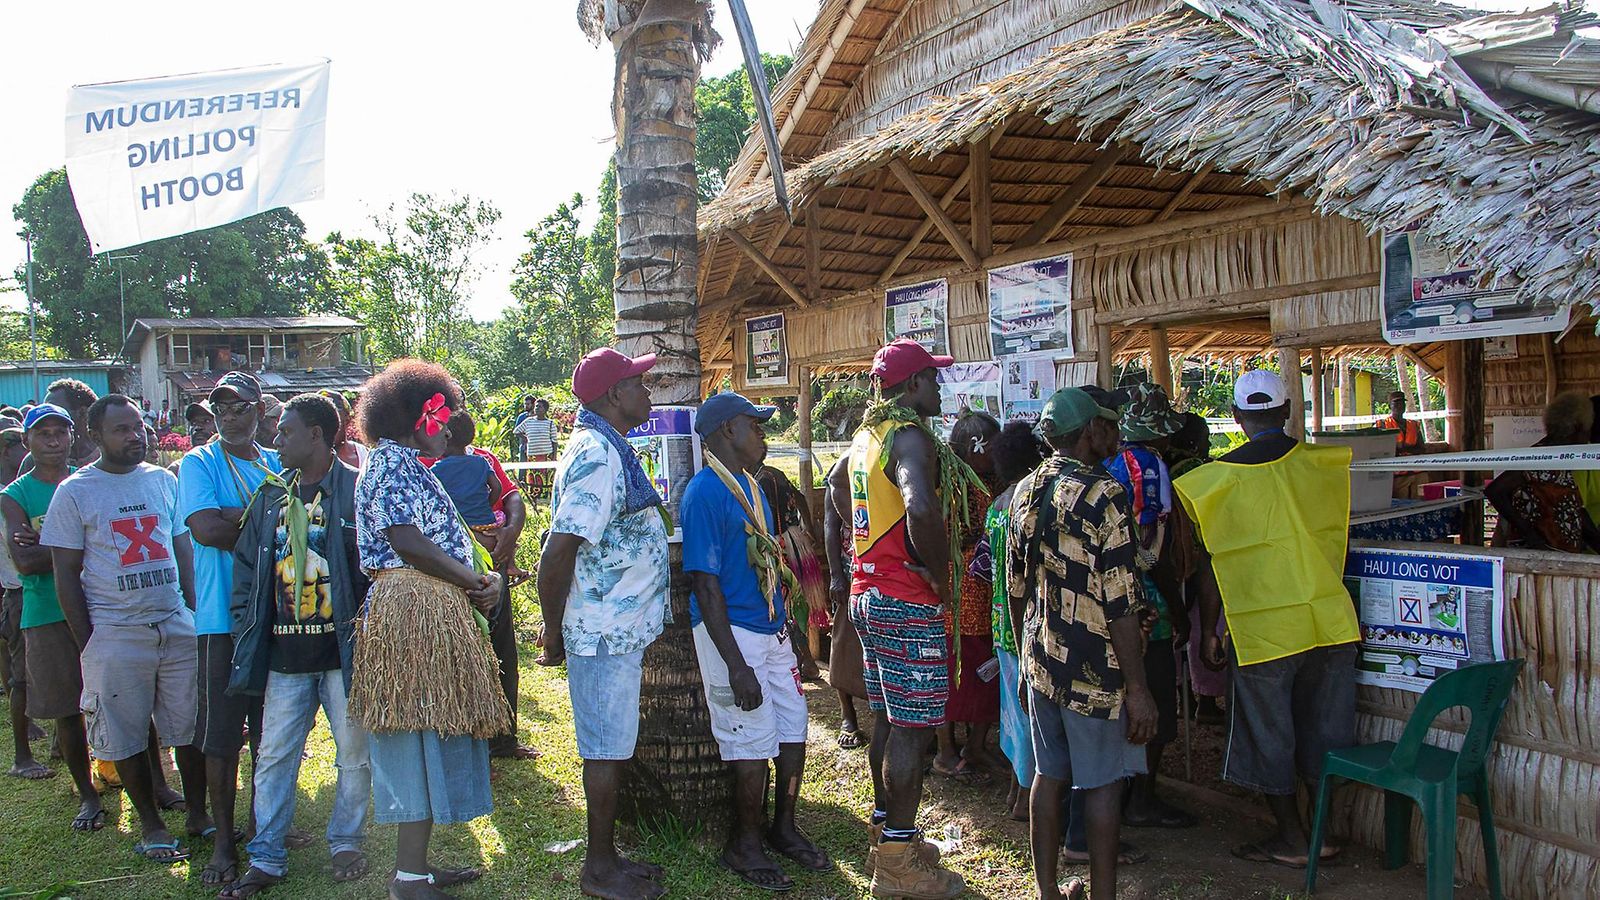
(1221, 172)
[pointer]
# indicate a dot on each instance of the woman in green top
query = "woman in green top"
(1015, 453)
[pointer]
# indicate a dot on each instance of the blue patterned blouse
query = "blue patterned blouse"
(395, 488)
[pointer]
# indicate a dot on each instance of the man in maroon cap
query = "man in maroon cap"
(603, 589)
(899, 588)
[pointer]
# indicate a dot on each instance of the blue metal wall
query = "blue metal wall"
(16, 387)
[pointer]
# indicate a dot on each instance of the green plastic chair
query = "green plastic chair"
(1412, 770)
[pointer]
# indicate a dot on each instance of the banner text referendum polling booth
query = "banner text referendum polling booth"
(166, 156)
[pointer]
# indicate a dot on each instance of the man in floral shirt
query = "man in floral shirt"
(603, 589)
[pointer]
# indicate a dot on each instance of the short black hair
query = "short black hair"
(1017, 451)
(97, 409)
(316, 411)
(1194, 435)
(393, 399)
(970, 428)
(1256, 421)
(462, 429)
(79, 395)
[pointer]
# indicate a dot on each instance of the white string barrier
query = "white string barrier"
(1573, 458)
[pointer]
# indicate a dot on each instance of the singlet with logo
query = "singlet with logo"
(878, 522)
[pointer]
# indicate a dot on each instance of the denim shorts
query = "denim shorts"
(1286, 714)
(605, 702)
(1082, 750)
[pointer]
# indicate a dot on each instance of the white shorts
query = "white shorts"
(781, 717)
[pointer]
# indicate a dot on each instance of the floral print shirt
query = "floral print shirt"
(619, 582)
(395, 488)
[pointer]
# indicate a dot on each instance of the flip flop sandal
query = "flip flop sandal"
(818, 859)
(1127, 855)
(210, 831)
(353, 870)
(966, 773)
(145, 849)
(1255, 852)
(1168, 817)
(782, 887)
(93, 822)
(215, 877)
(36, 772)
(178, 805)
(254, 882)
(849, 739)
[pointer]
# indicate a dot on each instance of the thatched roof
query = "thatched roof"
(1372, 119)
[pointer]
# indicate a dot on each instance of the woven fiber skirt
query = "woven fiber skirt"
(422, 663)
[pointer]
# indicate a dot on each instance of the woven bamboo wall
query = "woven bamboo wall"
(1516, 387)
(1209, 271)
(1342, 315)
(1545, 770)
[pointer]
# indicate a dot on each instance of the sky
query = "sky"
(507, 102)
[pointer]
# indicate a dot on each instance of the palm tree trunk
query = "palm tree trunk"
(659, 44)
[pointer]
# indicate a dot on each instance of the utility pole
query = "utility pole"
(122, 301)
(33, 331)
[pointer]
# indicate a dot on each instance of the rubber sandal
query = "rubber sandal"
(849, 739)
(145, 849)
(782, 887)
(253, 882)
(1255, 852)
(93, 822)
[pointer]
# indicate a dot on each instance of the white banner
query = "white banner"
(166, 156)
(1571, 458)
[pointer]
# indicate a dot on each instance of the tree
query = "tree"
(262, 265)
(410, 286)
(658, 56)
(564, 304)
(725, 115)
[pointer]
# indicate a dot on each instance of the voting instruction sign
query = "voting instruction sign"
(166, 156)
(1424, 614)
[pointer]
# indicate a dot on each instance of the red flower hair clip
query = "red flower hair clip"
(435, 416)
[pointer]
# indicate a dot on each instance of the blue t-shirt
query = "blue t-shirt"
(209, 478)
(465, 477)
(714, 543)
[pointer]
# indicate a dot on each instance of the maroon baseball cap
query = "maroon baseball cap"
(602, 369)
(902, 358)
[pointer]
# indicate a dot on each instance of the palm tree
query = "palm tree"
(659, 46)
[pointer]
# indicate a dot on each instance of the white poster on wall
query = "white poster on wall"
(920, 312)
(1026, 382)
(964, 388)
(160, 157)
(1030, 307)
(1429, 294)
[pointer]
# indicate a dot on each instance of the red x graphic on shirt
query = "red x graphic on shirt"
(139, 534)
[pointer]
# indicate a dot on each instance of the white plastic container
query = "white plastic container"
(1368, 490)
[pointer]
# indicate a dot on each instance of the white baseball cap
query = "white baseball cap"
(1259, 389)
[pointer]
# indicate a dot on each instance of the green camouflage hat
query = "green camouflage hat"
(1149, 414)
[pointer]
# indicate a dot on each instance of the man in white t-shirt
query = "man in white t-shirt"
(124, 571)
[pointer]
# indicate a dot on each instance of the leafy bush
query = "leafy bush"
(838, 413)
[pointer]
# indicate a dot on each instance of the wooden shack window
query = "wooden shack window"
(179, 346)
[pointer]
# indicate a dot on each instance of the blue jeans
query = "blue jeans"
(290, 710)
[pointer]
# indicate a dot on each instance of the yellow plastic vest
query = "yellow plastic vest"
(1277, 534)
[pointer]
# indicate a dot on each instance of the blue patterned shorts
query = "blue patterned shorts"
(904, 658)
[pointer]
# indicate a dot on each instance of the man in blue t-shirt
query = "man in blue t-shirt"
(751, 675)
(215, 484)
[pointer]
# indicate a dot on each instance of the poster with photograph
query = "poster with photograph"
(1424, 614)
(920, 312)
(1030, 307)
(766, 352)
(964, 387)
(1430, 295)
(1026, 382)
(669, 449)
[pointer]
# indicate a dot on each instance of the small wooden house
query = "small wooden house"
(1222, 173)
(180, 360)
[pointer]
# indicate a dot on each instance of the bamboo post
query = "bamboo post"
(1160, 358)
(1316, 389)
(803, 414)
(1289, 368)
(1416, 393)
(1347, 388)
(1547, 345)
(1472, 400)
(1106, 361)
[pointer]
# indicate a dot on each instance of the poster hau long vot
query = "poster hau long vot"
(766, 352)
(920, 312)
(160, 157)
(669, 449)
(964, 388)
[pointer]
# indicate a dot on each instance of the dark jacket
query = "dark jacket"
(255, 577)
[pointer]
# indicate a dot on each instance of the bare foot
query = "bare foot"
(613, 883)
(641, 869)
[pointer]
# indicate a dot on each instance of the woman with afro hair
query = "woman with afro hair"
(425, 681)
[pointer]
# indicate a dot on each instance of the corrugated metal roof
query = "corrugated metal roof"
(280, 382)
(142, 327)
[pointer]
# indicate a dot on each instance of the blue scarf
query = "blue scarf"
(642, 493)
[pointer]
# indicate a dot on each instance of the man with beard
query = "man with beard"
(124, 572)
(751, 677)
(215, 484)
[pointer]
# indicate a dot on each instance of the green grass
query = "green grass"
(536, 805)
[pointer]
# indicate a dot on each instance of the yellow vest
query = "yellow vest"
(1277, 534)
(1589, 489)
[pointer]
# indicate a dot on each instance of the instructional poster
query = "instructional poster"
(1030, 307)
(766, 352)
(1430, 295)
(1424, 614)
(669, 449)
(920, 312)
(967, 387)
(1026, 382)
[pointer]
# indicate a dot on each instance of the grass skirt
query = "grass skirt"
(422, 663)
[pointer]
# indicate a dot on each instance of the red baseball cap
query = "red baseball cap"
(902, 358)
(602, 369)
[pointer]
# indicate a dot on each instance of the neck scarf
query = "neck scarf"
(761, 548)
(641, 492)
(956, 480)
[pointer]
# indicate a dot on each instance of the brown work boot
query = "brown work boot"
(902, 873)
(928, 853)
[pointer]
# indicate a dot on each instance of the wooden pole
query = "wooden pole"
(1547, 346)
(803, 414)
(766, 265)
(1316, 389)
(934, 211)
(982, 198)
(1160, 358)
(1472, 399)
(1454, 399)
(1065, 205)
(1289, 368)
(1106, 361)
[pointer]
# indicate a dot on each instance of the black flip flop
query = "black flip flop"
(823, 862)
(783, 887)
